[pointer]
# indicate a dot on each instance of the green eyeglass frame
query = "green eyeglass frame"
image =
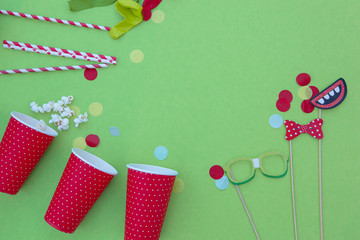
(256, 163)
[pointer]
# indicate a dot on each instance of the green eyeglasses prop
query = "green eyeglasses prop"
(257, 163)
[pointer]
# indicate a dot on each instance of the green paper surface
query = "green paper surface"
(205, 90)
(79, 5)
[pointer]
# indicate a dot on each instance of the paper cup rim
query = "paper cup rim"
(152, 169)
(32, 123)
(94, 161)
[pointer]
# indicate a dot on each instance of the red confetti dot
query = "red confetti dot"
(283, 105)
(216, 172)
(286, 94)
(92, 140)
(314, 90)
(303, 79)
(90, 74)
(307, 107)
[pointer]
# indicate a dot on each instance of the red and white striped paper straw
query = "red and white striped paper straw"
(55, 20)
(50, 69)
(66, 51)
(59, 54)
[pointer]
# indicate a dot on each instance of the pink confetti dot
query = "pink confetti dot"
(92, 140)
(303, 79)
(286, 94)
(307, 107)
(216, 172)
(283, 105)
(90, 74)
(314, 90)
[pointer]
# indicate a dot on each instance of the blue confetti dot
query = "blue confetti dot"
(222, 183)
(161, 152)
(114, 131)
(276, 121)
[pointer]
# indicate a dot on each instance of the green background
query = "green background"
(205, 89)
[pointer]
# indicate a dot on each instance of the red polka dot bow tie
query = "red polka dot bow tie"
(294, 129)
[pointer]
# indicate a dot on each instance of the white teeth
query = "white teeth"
(337, 89)
(321, 101)
(327, 96)
(332, 93)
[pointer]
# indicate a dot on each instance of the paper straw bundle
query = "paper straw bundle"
(60, 53)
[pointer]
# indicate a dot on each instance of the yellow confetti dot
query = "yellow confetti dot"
(178, 185)
(158, 16)
(76, 110)
(95, 109)
(305, 92)
(79, 142)
(137, 56)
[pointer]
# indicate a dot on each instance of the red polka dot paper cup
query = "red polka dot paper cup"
(148, 194)
(21, 148)
(84, 179)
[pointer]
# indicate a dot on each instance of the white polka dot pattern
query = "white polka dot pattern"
(20, 150)
(78, 189)
(147, 200)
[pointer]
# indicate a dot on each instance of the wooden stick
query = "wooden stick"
(320, 189)
(247, 211)
(293, 191)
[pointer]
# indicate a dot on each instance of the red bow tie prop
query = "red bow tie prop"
(294, 129)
